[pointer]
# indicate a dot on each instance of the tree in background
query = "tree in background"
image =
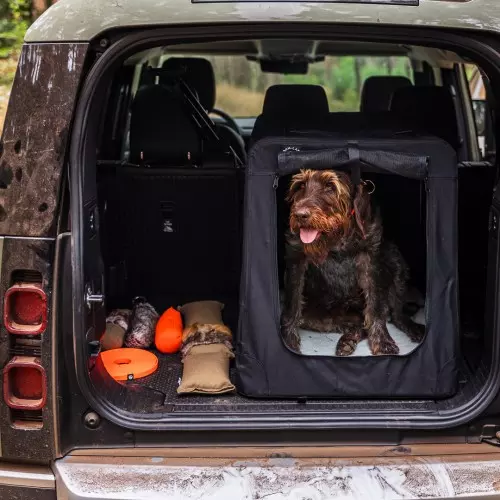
(241, 84)
(38, 7)
(15, 18)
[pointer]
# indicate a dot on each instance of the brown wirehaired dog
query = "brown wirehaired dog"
(340, 273)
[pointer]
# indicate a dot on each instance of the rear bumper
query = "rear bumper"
(24, 482)
(426, 471)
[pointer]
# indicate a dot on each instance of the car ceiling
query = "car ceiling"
(301, 49)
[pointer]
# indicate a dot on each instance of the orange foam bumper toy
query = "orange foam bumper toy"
(129, 363)
(168, 336)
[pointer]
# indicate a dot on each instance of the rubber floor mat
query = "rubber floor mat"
(167, 378)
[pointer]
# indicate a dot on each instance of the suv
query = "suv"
(114, 187)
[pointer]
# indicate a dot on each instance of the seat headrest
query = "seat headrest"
(161, 130)
(378, 90)
(430, 108)
(198, 75)
(295, 101)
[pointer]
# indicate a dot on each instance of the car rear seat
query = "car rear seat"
(429, 109)
(377, 92)
(303, 110)
(153, 130)
(200, 78)
(291, 106)
(374, 118)
(176, 217)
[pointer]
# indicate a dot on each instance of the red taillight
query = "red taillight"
(24, 383)
(25, 309)
(24, 380)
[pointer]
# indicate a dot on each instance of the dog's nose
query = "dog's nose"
(302, 214)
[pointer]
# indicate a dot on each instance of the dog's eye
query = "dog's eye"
(302, 186)
(331, 187)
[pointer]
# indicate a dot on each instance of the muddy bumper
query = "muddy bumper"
(385, 473)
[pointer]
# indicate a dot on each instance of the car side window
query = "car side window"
(483, 111)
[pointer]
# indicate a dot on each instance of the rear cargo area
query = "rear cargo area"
(171, 230)
(192, 265)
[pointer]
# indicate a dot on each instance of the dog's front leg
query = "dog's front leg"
(294, 286)
(376, 311)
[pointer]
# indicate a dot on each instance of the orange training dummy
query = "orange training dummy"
(168, 338)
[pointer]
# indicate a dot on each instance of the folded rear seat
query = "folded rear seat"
(177, 213)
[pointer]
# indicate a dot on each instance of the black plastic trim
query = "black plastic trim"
(467, 42)
(26, 493)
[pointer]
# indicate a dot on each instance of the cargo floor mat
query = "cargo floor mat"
(167, 378)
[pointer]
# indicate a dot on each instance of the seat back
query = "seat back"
(180, 231)
(430, 109)
(291, 106)
(161, 132)
(175, 217)
(377, 91)
(198, 74)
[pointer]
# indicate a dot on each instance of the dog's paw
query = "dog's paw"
(416, 333)
(381, 342)
(293, 341)
(345, 347)
(387, 346)
(291, 338)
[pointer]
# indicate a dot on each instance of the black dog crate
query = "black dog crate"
(266, 367)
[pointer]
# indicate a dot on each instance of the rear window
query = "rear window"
(241, 84)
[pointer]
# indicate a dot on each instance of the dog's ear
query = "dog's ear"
(362, 208)
(297, 183)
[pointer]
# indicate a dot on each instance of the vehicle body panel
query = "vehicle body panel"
(23, 441)
(73, 20)
(35, 135)
(35, 143)
(299, 473)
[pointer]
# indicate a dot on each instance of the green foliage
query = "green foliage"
(15, 17)
(341, 77)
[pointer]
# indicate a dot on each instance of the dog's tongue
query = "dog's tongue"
(308, 235)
